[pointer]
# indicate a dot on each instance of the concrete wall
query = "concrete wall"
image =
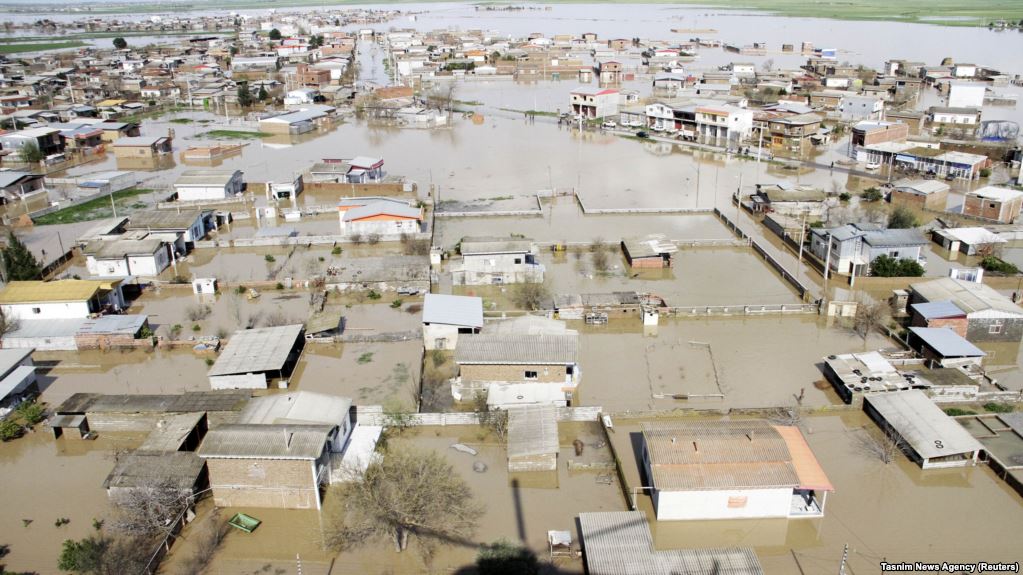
(440, 336)
(107, 266)
(288, 484)
(59, 310)
(934, 201)
(382, 227)
(979, 329)
(722, 504)
(545, 462)
(243, 381)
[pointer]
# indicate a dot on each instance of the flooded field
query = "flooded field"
(46, 480)
(370, 373)
(751, 362)
(896, 512)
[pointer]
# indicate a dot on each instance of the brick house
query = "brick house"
(940, 314)
(992, 203)
(990, 316)
(920, 194)
(873, 133)
(486, 359)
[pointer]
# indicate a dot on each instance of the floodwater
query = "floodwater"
(46, 480)
(896, 512)
(760, 361)
(375, 373)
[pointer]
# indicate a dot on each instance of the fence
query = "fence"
(801, 289)
(538, 211)
(374, 415)
(745, 309)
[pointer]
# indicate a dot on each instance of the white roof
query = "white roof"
(973, 236)
(922, 424)
(453, 310)
(296, 407)
(256, 350)
(996, 193)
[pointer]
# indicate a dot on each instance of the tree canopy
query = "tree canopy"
(244, 95)
(275, 34)
(400, 494)
(120, 43)
(888, 267)
(901, 218)
(21, 264)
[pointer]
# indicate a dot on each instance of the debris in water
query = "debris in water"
(479, 467)
(463, 448)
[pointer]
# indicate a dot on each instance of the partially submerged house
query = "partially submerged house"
(447, 316)
(142, 147)
(990, 316)
(922, 430)
(493, 260)
(60, 299)
(970, 241)
(853, 247)
(541, 366)
(208, 185)
(379, 216)
(789, 200)
(255, 357)
(943, 346)
(17, 378)
(127, 257)
(652, 251)
(138, 412)
(620, 543)
(921, 194)
(732, 469)
(993, 203)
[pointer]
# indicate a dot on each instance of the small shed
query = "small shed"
(652, 251)
(532, 438)
(940, 314)
(447, 316)
(253, 357)
(183, 472)
(927, 435)
(944, 346)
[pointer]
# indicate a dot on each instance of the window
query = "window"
(992, 205)
(530, 375)
(737, 501)
(518, 260)
(996, 327)
(37, 310)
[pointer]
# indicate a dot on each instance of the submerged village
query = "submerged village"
(605, 289)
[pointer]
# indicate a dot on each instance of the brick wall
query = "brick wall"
(544, 373)
(991, 209)
(957, 325)
(263, 483)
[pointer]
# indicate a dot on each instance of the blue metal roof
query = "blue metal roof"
(938, 309)
(946, 342)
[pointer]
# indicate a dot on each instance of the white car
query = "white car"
(873, 166)
(610, 125)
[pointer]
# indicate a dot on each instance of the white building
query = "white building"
(386, 217)
(966, 94)
(723, 125)
(208, 185)
(594, 102)
(62, 299)
(446, 316)
(855, 107)
(489, 260)
(127, 257)
(746, 469)
(301, 97)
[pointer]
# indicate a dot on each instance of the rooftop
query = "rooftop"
(177, 469)
(163, 219)
(475, 246)
(190, 401)
(56, 291)
(922, 187)
(968, 296)
(937, 310)
(299, 407)
(946, 342)
(922, 424)
(996, 193)
(502, 349)
(257, 350)
(453, 310)
(205, 177)
(620, 543)
(260, 441)
(532, 430)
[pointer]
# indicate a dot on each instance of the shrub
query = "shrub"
(998, 407)
(175, 330)
(954, 411)
(279, 286)
(871, 195)
(888, 267)
(198, 312)
(373, 294)
(10, 430)
(336, 251)
(396, 303)
(269, 258)
(31, 412)
(844, 197)
(995, 264)
(195, 327)
(365, 358)
(240, 290)
(210, 361)
(985, 172)
(373, 239)
(901, 218)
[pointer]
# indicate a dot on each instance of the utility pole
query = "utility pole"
(827, 268)
(802, 239)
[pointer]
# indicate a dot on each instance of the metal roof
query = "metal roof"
(474, 246)
(163, 219)
(922, 424)
(968, 296)
(17, 380)
(138, 141)
(11, 177)
(453, 310)
(179, 469)
(260, 441)
(256, 350)
(972, 236)
(653, 245)
(105, 324)
(946, 342)
(190, 401)
(894, 238)
(383, 269)
(205, 177)
(532, 430)
(383, 208)
(937, 309)
(11, 358)
(171, 431)
(996, 193)
(299, 407)
(620, 543)
(517, 349)
(55, 291)
(706, 455)
(922, 187)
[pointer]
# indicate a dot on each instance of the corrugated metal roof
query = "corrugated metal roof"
(163, 219)
(118, 249)
(532, 430)
(937, 309)
(17, 380)
(808, 469)
(453, 310)
(922, 424)
(947, 342)
(205, 177)
(10, 358)
(619, 543)
(299, 407)
(517, 349)
(178, 469)
(171, 431)
(383, 208)
(190, 401)
(106, 324)
(259, 441)
(968, 296)
(475, 246)
(256, 350)
(894, 238)
(718, 455)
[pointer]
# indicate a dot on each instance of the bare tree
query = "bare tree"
(870, 315)
(149, 510)
(883, 445)
(197, 312)
(277, 318)
(8, 324)
(414, 247)
(400, 494)
(205, 539)
(599, 254)
(493, 419)
(530, 296)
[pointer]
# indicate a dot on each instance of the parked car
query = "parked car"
(871, 166)
(642, 134)
(610, 125)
